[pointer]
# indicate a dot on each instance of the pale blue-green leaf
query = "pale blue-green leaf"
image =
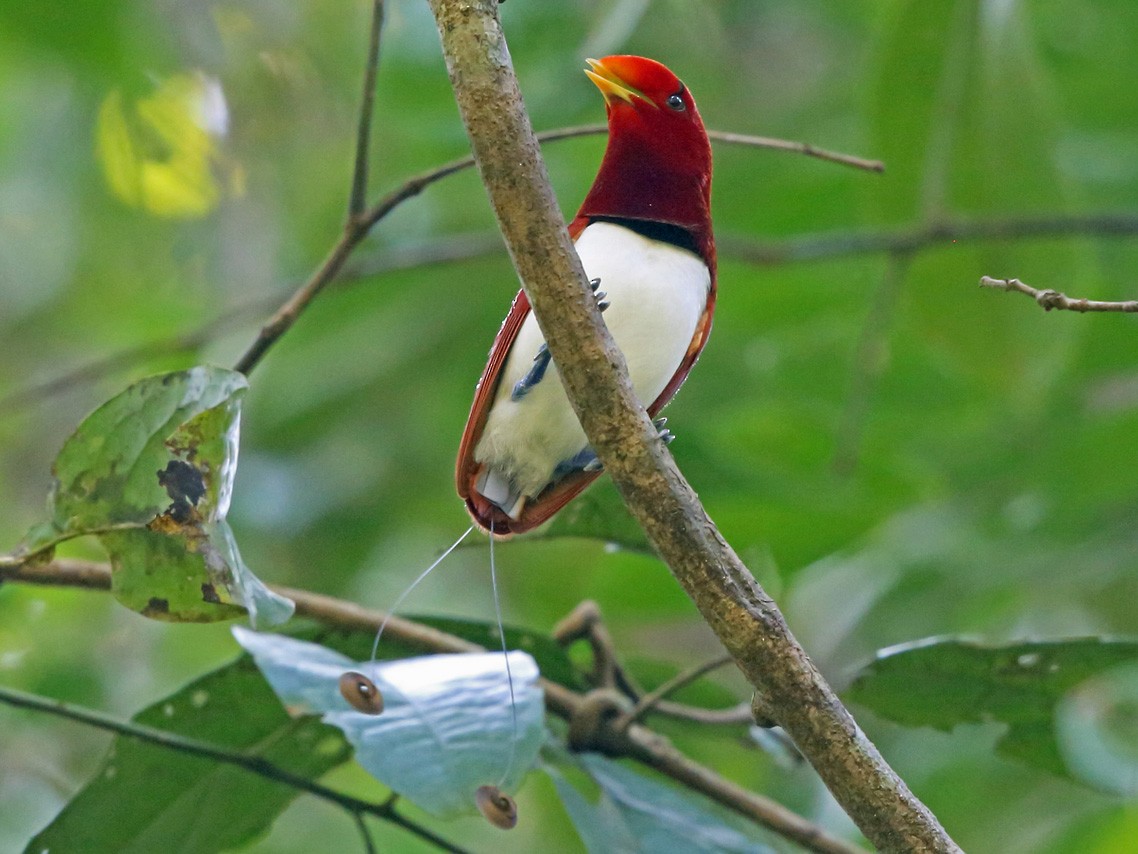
(601, 826)
(449, 723)
(639, 815)
(265, 607)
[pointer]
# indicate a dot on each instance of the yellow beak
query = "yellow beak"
(612, 87)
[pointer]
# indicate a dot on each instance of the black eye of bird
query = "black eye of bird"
(676, 102)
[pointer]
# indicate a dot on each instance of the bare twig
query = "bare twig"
(594, 375)
(797, 148)
(636, 742)
(445, 250)
(728, 138)
(1049, 299)
(732, 716)
(363, 130)
(584, 623)
(359, 225)
(249, 762)
(365, 834)
(652, 699)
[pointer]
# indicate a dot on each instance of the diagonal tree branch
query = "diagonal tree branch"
(592, 369)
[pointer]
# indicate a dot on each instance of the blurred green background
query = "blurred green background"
(896, 453)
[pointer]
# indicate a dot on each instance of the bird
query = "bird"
(644, 237)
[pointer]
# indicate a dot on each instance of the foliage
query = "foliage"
(150, 473)
(450, 723)
(1027, 686)
(896, 453)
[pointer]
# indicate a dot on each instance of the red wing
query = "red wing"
(699, 339)
(466, 469)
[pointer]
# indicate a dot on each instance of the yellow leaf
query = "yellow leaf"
(159, 153)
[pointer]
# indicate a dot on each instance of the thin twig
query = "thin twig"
(445, 250)
(1049, 299)
(743, 139)
(287, 314)
(363, 131)
(584, 622)
(358, 226)
(637, 742)
(797, 148)
(252, 763)
(365, 834)
(732, 716)
(650, 700)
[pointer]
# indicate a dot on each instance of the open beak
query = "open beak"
(612, 87)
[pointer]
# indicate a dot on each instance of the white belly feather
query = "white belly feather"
(657, 293)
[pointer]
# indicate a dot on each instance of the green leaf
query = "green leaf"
(450, 723)
(150, 473)
(599, 514)
(638, 814)
(943, 682)
(147, 798)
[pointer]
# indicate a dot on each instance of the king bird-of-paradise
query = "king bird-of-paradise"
(644, 238)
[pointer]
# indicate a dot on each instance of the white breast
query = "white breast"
(657, 293)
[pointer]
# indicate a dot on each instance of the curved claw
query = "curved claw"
(600, 295)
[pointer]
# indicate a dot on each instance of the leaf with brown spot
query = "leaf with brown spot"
(150, 472)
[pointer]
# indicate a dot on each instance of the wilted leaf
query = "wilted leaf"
(150, 473)
(450, 722)
(945, 682)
